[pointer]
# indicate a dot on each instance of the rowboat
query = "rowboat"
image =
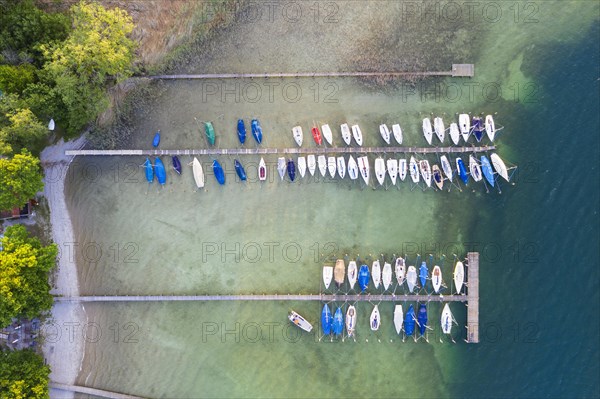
(392, 169)
(338, 322)
(312, 164)
(436, 278)
(351, 320)
(386, 275)
(375, 319)
(385, 133)
(364, 277)
(454, 133)
(322, 165)
(291, 169)
(425, 171)
(176, 164)
(487, 171)
(156, 140)
(427, 131)
(411, 278)
(446, 167)
(402, 168)
(409, 321)
(241, 131)
(300, 321)
(398, 318)
(346, 135)
(331, 166)
(327, 275)
(363, 166)
(149, 171)
(437, 176)
(397, 133)
(357, 134)
(302, 166)
(438, 126)
(400, 270)
(352, 168)
(341, 166)
(459, 276)
(239, 169)
(464, 124)
(423, 274)
(326, 320)
(490, 127)
(474, 168)
(161, 173)
(477, 128)
(281, 166)
(380, 170)
(352, 273)
(339, 272)
(257, 132)
(51, 125)
(209, 130)
(262, 170)
(316, 135)
(422, 318)
(446, 320)
(414, 170)
(462, 172)
(297, 134)
(198, 173)
(376, 273)
(499, 166)
(327, 134)
(218, 171)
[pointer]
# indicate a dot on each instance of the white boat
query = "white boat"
(380, 170)
(454, 133)
(352, 168)
(375, 319)
(281, 166)
(411, 278)
(376, 273)
(425, 171)
(392, 169)
(352, 273)
(438, 179)
(302, 166)
(357, 134)
(459, 276)
(490, 127)
(339, 272)
(198, 173)
(351, 320)
(464, 124)
(327, 275)
(438, 126)
(385, 133)
(363, 166)
(474, 168)
(446, 167)
(397, 133)
(427, 131)
(297, 134)
(402, 168)
(300, 321)
(386, 275)
(51, 124)
(341, 166)
(400, 269)
(331, 166)
(346, 135)
(326, 131)
(499, 166)
(398, 318)
(312, 164)
(436, 278)
(446, 320)
(322, 161)
(414, 170)
(262, 170)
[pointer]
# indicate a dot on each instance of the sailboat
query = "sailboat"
(51, 125)
(414, 170)
(400, 269)
(425, 171)
(346, 135)
(454, 133)
(357, 134)
(446, 167)
(386, 275)
(281, 166)
(209, 130)
(462, 172)
(438, 126)
(339, 272)
(302, 166)
(477, 128)
(411, 278)
(423, 274)
(363, 165)
(198, 173)
(409, 321)
(385, 133)
(326, 320)
(148, 169)
(352, 168)
(402, 168)
(257, 132)
(156, 140)
(311, 163)
(351, 320)
(300, 321)
(364, 277)
(397, 133)
(341, 166)
(376, 273)
(239, 169)
(338, 322)
(352, 273)
(241, 131)
(380, 170)
(486, 168)
(427, 131)
(327, 134)
(322, 165)
(499, 166)
(161, 173)
(459, 276)
(474, 169)
(316, 135)
(490, 127)
(218, 171)
(331, 166)
(375, 319)
(464, 123)
(327, 275)
(176, 164)
(437, 176)
(392, 169)
(422, 318)
(291, 169)
(398, 318)
(262, 170)
(298, 135)
(436, 278)
(446, 320)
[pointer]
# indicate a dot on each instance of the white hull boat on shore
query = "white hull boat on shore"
(380, 170)
(427, 131)
(385, 133)
(312, 164)
(397, 131)
(346, 135)
(352, 168)
(392, 168)
(322, 161)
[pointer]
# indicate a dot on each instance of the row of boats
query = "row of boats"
(384, 276)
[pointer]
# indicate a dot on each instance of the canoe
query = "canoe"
(239, 169)
(386, 275)
(291, 169)
(375, 319)
(327, 134)
(464, 124)
(422, 318)
(363, 166)
(397, 133)
(338, 322)
(364, 277)
(331, 166)
(414, 170)
(436, 278)
(409, 321)
(339, 272)
(51, 124)
(385, 133)
(352, 273)
(425, 171)
(327, 275)
(398, 318)
(298, 135)
(499, 166)
(392, 169)
(490, 127)
(326, 320)
(380, 170)
(241, 131)
(209, 130)
(322, 161)
(161, 173)
(423, 274)
(218, 171)
(346, 135)
(311, 163)
(437, 177)
(198, 173)
(454, 133)
(341, 166)
(459, 276)
(446, 320)
(462, 172)
(156, 140)
(400, 269)
(302, 166)
(402, 168)
(176, 164)
(300, 321)
(257, 132)
(486, 169)
(281, 166)
(352, 168)
(316, 135)
(149, 171)
(376, 273)
(351, 320)
(438, 126)
(474, 169)
(357, 134)
(262, 170)
(411, 278)
(427, 131)
(477, 128)
(446, 167)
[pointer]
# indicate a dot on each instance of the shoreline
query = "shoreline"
(62, 351)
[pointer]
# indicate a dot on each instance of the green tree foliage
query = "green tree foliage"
(24, 268)
(23, 375)
(23, 131)
(15, 79)
(20, 180)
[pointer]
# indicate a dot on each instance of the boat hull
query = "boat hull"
(161, 173)
(218, 171)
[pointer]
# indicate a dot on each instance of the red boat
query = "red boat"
(317, 135)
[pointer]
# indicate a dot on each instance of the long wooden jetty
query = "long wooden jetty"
(270, 297)
(473, 297)
(91, 391)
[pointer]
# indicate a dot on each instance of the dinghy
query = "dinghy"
(499, 166)
(352, 168)
(397, 133)
(454, 133)
(300, 321)
(477, 128)
(156, 140)
(385, 133)
(423, 274)
(257, 132)
(327, 275)
(411, 278)
(402, 168)
(281, 167)
(464, 123)
(446, 320)
(425, 171)
(239, 169)
(218, 171)
(352, 273)
(363, 166)
(490, 127)
(322, 165)
(316, 135)
(409, 321)
(326, 320)
(422, 318)
(400, 270)
(436, 278)
(437, 176)
(462, 172)
(486, 169)
(339, 272)
(376, 273)
(357, 134)
(363, 277)
(414, 170)
(459, 276)
(51, 125)
(351, 320)
(386, 275)
(446, 167)
(427, 131)
(438, 126)
(346, 135)
(338, 322)
(209, 130)
(398, 318)
(375, 319)
(149, 171)
(298, 135)
(312, 164)
(176, 164)
(161, 173)
(241, 131)
(262, 170)
(331, 166)
(380, 170)
(474, 169)
(327, 134)
(291, 169)
(302, 166)
(341, 166)
(198, 173)
(392, 169)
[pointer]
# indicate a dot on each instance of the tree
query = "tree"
(24, 268)
(14, 79)
(20, 180)
(24, 131)
(23, 374)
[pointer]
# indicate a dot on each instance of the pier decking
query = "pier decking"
(91, 391)
(473, 295)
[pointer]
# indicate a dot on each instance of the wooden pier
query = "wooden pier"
(91, 391)
(473, 297)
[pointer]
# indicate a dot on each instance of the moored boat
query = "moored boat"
(302, 166)
(490, 127)
(241, 131)
(454, 133)
(397, 131)
(291, 169)
(477, 128)
(327, 275)
(311, 163)
(380, 170)
(51, 125)
(398, 318)
(218, 171)
(316, 135)
(297, 134)
(339, 272)
(414, 170)
(352, 168)
(400, 269)
(459, 276)
(392, 169)
(411, 278)
(409, 321)
(327, 134)
(300, 321)
(438, 126)
(425, 171)
(148, 169)
(257, 132)
(499, 166)
(357, 134)
(346, 135)
(239, 169)
(161, 173)
(209, 130)
(338, 322)
(385, 133)
(176, 164)
(436, 278)
(351, 320)
(386, 275)
(462, 172)
(363, 166)
(262, 170)
(341, 166)
(486, 169)
(474, 168)
(322, 165)
(331, 166)
(375, 319)
(464, 124)
(422, 318)
(446, 320)
(326, 320)
(427, 131)
(352, 273)
(198, 173)
(423, 274)
(437, 176)
(402, 168)
(364, 277)
(446, 167)
(376, 273)
(281, 167)
(156, 140)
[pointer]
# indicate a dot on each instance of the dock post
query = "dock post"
(473, 298)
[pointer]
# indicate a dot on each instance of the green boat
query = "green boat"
(210, 132)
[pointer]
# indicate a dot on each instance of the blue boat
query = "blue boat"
(161, 173)
(239, 169)
(241, 129)
(364, 276)
(462, 171)
(477, 128)
(422, 318)
(256, 130)
(149, 171)
(326, 320)
(423, 273)
(486, 168)
(409, 321)
(291, 169)
(156, 140)
(218, 171)
(338, 322)
(176, 164)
